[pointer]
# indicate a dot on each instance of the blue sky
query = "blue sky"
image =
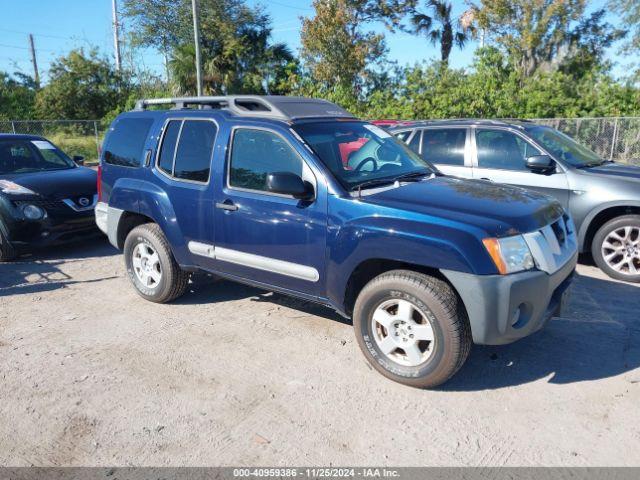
(60, 25)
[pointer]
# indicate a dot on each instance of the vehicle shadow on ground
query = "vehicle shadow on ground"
(39, 271)
(598, 336)
(208, 289)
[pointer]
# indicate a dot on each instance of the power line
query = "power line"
(46, 35)
(24, 48)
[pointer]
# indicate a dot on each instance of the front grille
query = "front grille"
(50, 206)
(554, 245)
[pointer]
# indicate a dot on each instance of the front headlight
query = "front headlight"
(33, 212)
(510, 254)
(7, 186)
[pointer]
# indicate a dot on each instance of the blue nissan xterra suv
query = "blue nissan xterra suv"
(298, 196)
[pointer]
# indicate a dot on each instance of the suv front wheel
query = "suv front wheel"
(412, 328)
(616, 248)
(151, 266)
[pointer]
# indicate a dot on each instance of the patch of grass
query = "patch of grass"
(84, 145)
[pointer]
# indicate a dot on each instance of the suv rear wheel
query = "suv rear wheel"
(151, 266)
(412, 328)
(616, 248)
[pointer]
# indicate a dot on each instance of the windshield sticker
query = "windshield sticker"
(43, 145)
(377, 131)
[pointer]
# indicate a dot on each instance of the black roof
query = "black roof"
(518, 123)
(19, 136)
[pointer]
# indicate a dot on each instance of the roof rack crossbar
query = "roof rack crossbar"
(246, 105)
(277, 107)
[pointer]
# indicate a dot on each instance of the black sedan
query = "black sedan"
(45, 197)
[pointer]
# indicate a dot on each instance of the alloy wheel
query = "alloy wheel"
(403, 332)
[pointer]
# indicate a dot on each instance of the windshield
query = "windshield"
(28, 156)
(359, 153)
(564, 147)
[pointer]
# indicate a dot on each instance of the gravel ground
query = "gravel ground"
(230, 375)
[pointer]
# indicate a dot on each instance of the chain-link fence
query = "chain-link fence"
(612, 138)
(75, 137)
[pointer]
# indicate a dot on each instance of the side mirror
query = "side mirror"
(540, 163)
(79, 159)
(288, 183)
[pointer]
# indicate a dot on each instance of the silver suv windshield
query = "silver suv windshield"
(564, 147)
(361, 155)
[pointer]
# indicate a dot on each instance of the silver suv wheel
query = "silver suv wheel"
(621, 250)
(146, 265)
(403, 332)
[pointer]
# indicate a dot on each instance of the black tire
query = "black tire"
(445, 312)
(173, 281)
(599, 238)
(7, 252)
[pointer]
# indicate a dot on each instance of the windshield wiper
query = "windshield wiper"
(412, 176)
(372, 183)
(597, 164)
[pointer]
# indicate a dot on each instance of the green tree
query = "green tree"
(629, 13)
(440, 28)
(338, 51)
(237, 53)
(532, 31)
(17, 96)
(82, 86)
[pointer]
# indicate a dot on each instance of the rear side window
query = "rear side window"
(168, 148)
(125, 142)
(255, 153)
(191, 160)
(444, 146)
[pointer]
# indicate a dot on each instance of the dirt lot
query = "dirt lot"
(230, 375)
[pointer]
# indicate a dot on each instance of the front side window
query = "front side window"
(444, 146)
(402, 136)
(256, 153)
(191, 160)
(380, 158)
(25, 156)
(414, 144)
(564, 147)
(125, 141)
(503, 150)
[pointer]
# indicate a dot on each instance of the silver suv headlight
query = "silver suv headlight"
(510, 254)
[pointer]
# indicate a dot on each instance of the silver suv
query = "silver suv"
(602, 196)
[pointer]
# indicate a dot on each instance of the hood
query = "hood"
(58, 184)
(497, 209)
(629, 172)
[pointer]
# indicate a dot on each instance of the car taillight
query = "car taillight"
(99, 184)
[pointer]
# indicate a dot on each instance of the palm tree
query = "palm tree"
(441, 28)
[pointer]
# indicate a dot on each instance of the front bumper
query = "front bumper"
(60, 225)
(505, 308)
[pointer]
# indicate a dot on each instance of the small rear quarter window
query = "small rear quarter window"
(125, 142)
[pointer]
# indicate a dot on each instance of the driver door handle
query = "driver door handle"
(227, 205)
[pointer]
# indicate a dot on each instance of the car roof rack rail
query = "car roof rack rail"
(267, 106)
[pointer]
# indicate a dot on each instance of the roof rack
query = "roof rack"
(268, 106)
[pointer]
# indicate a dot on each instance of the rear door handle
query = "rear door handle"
(487, 179)
(227, 205)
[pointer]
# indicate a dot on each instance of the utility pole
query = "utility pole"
(36, 75)
(196, 36)
(116, 39)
